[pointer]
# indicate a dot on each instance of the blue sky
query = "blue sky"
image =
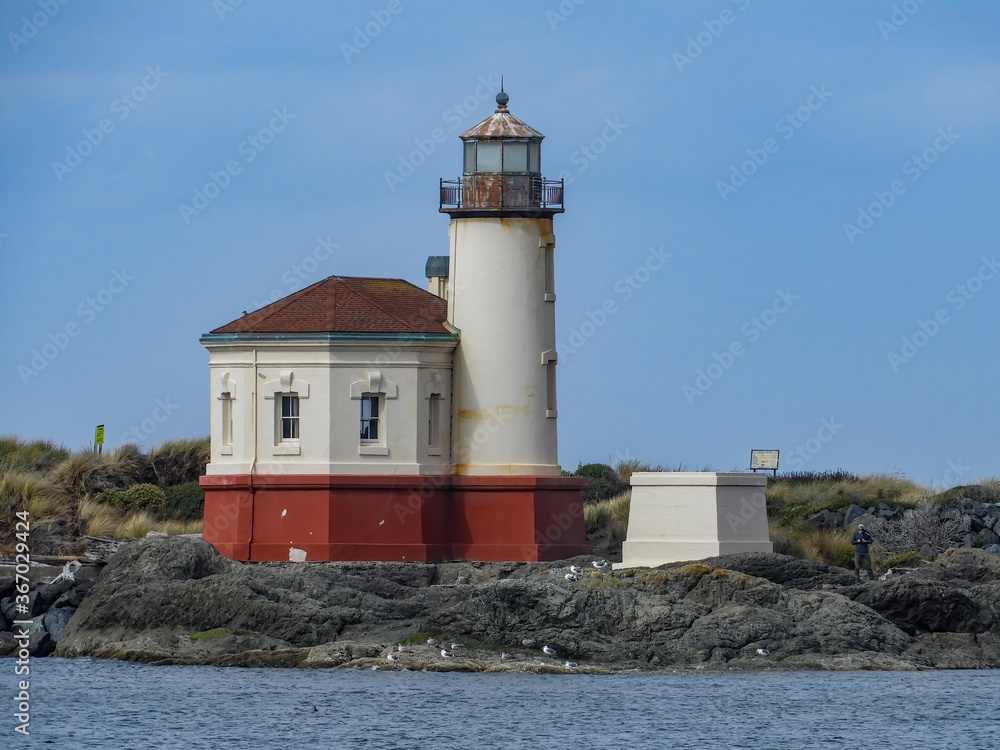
(822, 176)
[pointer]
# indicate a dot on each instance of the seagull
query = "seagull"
(570, 664)
(314, 708)
(549, 650)
(432, 642)
(762, 652)
(401, 648)
(574, 569)
(504, 656)
(600, 564)
(446, 653)
(393, 657)
(456, 646)
(374, 667)
(529, 642)
(571, 577)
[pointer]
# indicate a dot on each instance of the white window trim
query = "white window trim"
(227, 392)
(286, 384)
(375, 384)
(434, 388)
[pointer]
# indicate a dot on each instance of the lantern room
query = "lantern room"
(501, 170)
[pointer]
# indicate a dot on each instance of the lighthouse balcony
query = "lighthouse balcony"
(499, 193)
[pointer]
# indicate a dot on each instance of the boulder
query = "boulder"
(49, 592)
(74, 597)
(854, 512)
(8, 645)
(8, 608)
(7, 586)
(994, 548)
(55, 620)
(826, 519)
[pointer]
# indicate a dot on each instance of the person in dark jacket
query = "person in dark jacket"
(862, 553)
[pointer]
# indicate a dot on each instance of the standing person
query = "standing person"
(862, 554)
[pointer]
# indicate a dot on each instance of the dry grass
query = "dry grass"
(49, 511)
(98, 519)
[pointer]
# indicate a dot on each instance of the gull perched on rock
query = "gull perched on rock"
(549, 650)
(401, 648)
(393, 657)
(762, 652)
(432, 642)
(456, 646)
(446, 653)
(571, 577)
(529, 642)
(600, 564)
(570, 665)
(504, 656)
(574, 569)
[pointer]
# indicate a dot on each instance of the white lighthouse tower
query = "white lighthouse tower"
(501, 298)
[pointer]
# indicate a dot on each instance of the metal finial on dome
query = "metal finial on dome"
(502, 98)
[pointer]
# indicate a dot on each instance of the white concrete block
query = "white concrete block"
(690, 515)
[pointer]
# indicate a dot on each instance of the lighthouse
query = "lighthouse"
(502, 301)
(368, 419)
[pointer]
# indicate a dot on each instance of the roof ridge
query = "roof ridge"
(366, 297)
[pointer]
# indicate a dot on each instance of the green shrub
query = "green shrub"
(604, 482)
(180, 461)
(146, 497)
(902, 560)
(109, 497)
(186, 501)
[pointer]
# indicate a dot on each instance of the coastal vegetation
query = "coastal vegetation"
(129, 492)
(122, 494)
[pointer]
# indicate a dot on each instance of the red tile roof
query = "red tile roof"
(349, 305)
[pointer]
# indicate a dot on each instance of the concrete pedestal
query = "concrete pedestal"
(692, 515)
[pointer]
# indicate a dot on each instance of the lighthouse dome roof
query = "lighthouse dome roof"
(501, 124)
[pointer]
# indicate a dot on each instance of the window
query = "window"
(227, 419)
(549, 360)
(289, 416)
(433, 420)
(534, 157)
(370, 418)
(488, 156)
(515, 157)
(470, 156)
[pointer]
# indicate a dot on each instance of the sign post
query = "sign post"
(99, 438)
(764, 460)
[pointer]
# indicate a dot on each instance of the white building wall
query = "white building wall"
(504, 420)
(329, 378)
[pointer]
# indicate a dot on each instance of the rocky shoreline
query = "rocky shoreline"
(177, 601)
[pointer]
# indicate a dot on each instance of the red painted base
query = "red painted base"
(394, 518)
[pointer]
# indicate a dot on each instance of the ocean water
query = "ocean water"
(86, 704)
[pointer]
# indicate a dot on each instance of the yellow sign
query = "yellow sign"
(99, 435)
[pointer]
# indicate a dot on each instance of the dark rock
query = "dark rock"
(969, 540)
(949, 513)
(74, 597)
(8, 608)
(994, 548)
(972, 506)
(927, 552)
(826, 519)
(7, 587)
(8, 645)
(988, 537)
(975, 524)
(854, 512)
(55, 620)
(49, 592)
(885, 511)
(40, 643)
